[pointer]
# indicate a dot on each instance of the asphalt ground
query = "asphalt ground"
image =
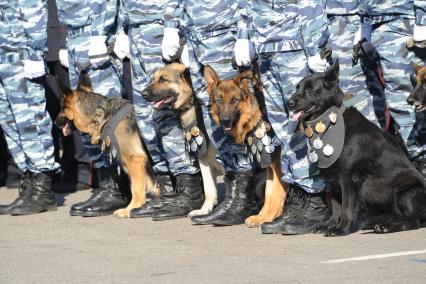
(54, 247)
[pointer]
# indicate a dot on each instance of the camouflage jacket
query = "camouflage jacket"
(282, 25)
(23, 26)
(96, 15)
(384, 10)
(341, 7)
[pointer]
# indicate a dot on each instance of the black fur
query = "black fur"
(378, 185)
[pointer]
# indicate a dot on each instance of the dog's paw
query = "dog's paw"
(122, 213)
(380, 229)
(254, 221)
(335, 232)
(199, 212)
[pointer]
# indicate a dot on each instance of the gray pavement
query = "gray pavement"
(56, 248)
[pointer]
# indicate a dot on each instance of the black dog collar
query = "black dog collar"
(326, 137)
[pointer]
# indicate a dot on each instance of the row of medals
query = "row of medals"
(265, 143)
(197, 142)
(105, 144)
(320, 128)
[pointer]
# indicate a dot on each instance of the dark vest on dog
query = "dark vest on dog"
(326, 137)
(196, 141)
(108, 139)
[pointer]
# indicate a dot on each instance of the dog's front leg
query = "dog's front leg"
(336, 212)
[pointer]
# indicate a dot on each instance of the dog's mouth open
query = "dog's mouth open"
(164, 102)
(298, 115)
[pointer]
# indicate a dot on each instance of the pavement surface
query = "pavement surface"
(56, 248)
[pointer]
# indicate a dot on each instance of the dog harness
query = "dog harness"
(195, 139)
(326, 137)
(109, 143)
(262, 144)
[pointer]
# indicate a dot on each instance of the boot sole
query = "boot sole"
(49, 208)
(168, 218)
(75, 213)
(140, 216)
(297, 231)
(97, 214)
(270, 231)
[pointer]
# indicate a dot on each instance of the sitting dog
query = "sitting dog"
(418, 95)
(171, 88)
(236, 109)
(111, 121)
(378, 185)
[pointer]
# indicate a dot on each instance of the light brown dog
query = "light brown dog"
(418, 95)
(90, 112)
(236, 110)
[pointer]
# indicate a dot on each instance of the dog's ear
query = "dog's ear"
(416, 67)
(332, 74)
(211, 78)
(64, 88)
(243, 80)
(84, 83)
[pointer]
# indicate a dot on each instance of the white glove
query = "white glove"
(184, 57)
(63, 57)
(316, 64)
(171, 43)
(244, 52)
(364, 31)
(34, 69)
(98, 53)
(419, 33)
(122, 46)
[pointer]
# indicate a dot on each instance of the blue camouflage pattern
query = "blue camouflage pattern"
(23, 117)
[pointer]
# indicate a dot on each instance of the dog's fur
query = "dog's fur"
(236, 110)
(171, 88)
(418, 95)
(378, 185)
(89, 112)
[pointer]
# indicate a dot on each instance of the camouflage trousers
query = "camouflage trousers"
(105, 81)
(280, 72)
(217, 51)
(23, 117)
(389, 39)
(160, 130)
(351, 78)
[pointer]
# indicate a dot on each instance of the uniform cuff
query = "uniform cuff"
(243, 34)
(171, 24)
(419, 33)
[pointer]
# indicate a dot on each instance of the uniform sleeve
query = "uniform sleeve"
(121, 18)
(99, 9)
(173, 13)
(34, 18)
(420, 12)
(243, 15)
(313, 24)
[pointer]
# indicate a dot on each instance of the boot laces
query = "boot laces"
(23, 192)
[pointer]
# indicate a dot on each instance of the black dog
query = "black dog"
(378, 186)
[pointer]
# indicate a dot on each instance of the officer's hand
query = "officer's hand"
(63, 57)
(171, 44)
(98, 53)
(34, 69)
(244, 52)
(122, 46)
(419, 36)
(184, 57)
(316, 64)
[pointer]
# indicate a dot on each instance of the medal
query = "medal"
(259, 133)
(194, 146)
(320, 127)
(328, 150)
(269, 149)
(301, 127)
(195, 131)
(309, 131)
(333, 117)
(266, 140)
(199, 139)
(276, 141)
(103, 146)
(259, 146)
(318, 143)
(268, 126)
(188, 147)
(250, 140)
(188, 136)
(258, 157)
(313, 157)
(107, 142)
(253, 149)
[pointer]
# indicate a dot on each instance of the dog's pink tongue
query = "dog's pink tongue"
(158, 103)
(66, 130)
(296, 116)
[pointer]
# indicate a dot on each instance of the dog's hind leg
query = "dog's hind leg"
(275, 194)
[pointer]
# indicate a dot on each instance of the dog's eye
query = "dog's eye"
(162, 80)
(234, 101)
(219, 101)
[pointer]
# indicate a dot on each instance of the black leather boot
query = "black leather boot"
(24, 193)
(292, 207)
(243, 205)
(107, 198)
(41, 197)
(190, 197)
(165, 182)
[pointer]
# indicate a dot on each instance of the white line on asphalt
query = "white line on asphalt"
(367, 257)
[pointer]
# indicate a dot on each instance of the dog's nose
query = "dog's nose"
(291, 104)
(410, 100)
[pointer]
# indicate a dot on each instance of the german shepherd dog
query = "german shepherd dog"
(171, 87)
(236, 109)
(379, 187)
(90, 112)
(418, 95)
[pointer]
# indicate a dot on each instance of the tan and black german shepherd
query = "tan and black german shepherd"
(90, 112)
(418, 95)
(236, 110)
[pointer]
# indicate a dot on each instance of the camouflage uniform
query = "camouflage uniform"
(284, 34)
(86, 19)
(23, 117)
(392, 23)
(343, 22)
(211, 31)
(161, 130)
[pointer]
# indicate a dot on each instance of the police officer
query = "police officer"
(288, 36)
(178, 177)
(90, 25)
(23, 116)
